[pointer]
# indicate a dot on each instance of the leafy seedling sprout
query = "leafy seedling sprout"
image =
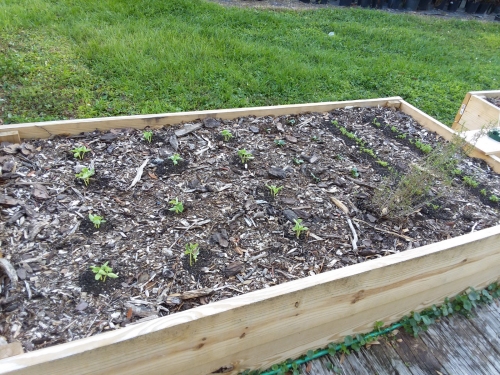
(177, 206)
(175, 158)
(298, 161)
(96, 220)
(245, 156)
(79, 152)
(299, 228)
(279, 142)
(103, 272)
(226, 134)
(354, 172)
(494, 198)
(85, 175)
(148, 135)
(274, 189)
(192, 250)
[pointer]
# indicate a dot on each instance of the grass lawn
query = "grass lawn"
(67, 58)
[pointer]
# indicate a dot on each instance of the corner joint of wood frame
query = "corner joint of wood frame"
(10, 136)
(394, 103)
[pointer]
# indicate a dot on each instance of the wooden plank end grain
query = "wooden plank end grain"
(9, 136)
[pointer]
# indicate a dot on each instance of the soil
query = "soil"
(495, 101)
(245, 234)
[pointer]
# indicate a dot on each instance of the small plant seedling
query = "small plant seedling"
(148, 135)
(96, 220)
(378, 325)
(376, 123)
(483, 192)
(226, 134)
(424, 147)
(315, 138)
(177, 206)
(299, 228)
(103, 271)
(335, 122)
(394, 129)
(279, 142)
(192, 250)
(291, 122)
(354, 172)
(456, 172)
(175, 158)
(79, 152)
(85, 175)
(245, 156)
(274, 189)
(298, 161)
(382, 163)
(469, 181)
(494, 198)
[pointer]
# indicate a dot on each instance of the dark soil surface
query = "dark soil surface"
(382, 5)
(329, 165)
(495, 101)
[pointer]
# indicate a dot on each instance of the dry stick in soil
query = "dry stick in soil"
(139, 174)
(344, 209)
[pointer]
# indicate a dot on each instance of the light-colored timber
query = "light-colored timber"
(264, 327)
(476, 112)
(10, 136)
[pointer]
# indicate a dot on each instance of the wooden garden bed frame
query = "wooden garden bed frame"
(261, 328)
(475, 114)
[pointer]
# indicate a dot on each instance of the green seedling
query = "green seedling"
(244, 155)
(483, 192)
(376, 123)
(175, 158)
(469, 181)
(354, 172)
(148, 135)
(424, 147)
(315, 138)
(299, 228)
(177, 206)
(315, 178)
(85, 175)
(226, 134)
(456, 172)
(279, 142)
(394, 129)
(103, 272)
(274, 189)
(494, 198)
(96, 220)
(79, 152)
(192, 250)
(382, 163)
(298, 161)
(335, 122)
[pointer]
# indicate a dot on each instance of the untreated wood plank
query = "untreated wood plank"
(413, 353)
(67, 127)
(479, 113)
(9, 136)
(265, 327)
(384, 359)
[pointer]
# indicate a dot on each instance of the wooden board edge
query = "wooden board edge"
(456, 123)
(9, 136)
(154, 121)
(486, 93)
(204, 318)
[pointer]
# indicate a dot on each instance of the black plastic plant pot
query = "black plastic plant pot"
(453, 5)
(483, 8)
(345, 3)
(423, 4)
(471, 7)
(395, 4)
(442, 5)
(412, 5)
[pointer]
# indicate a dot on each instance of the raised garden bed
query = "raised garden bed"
(329, 162)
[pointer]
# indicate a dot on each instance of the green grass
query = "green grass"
(66, 59)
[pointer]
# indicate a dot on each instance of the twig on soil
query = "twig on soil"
(354, 235)
(385, 231)
(139, 174)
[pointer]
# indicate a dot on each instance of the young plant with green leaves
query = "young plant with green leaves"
(226, 135)
(298, 161)
(192, 249)
(299, 228)
(147, 135)
(469, 181)
(274, 189)
(245, 156)
(279, 142)
(354, 172)
(96, 220)
(175, 158)
(79, 152)
(85, 175)
(494, 198)
(103, 271)
(177, 206)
